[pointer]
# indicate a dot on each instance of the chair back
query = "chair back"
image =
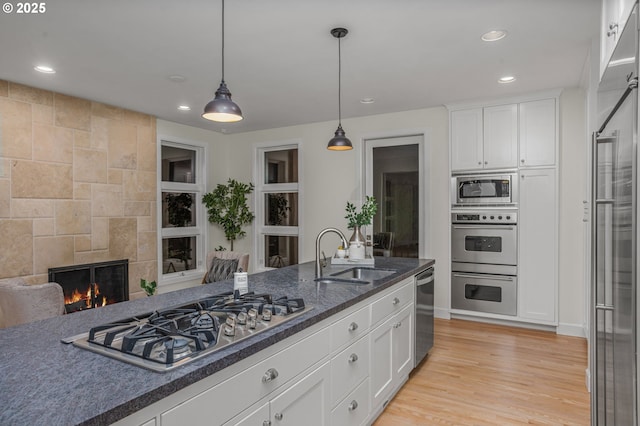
(243, 264)
(21, 303)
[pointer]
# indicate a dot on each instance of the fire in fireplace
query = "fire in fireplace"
(92, 285)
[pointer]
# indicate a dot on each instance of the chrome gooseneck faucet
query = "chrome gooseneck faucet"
(345, 244)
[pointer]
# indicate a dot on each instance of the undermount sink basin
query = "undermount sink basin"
(356, 275)
(365, 274)
(332, 280)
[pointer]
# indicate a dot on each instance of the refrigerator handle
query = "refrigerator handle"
(606, 201)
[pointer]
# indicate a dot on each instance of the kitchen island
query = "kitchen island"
(44, 381)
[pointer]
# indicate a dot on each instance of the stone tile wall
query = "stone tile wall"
(77, 185)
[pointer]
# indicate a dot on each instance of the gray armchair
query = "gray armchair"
(21, 303)
(226, 264)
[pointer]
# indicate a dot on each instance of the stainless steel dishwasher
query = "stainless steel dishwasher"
(425, 282)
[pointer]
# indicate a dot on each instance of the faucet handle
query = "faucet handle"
(324, 261)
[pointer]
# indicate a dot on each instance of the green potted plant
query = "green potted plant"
(356, 220)
(148, 287)
(227, 206)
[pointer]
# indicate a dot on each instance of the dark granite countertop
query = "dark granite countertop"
(45, 382)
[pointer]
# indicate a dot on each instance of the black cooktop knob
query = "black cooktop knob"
(500, 217)
(508, 217)
(484, 217)
(492, 217)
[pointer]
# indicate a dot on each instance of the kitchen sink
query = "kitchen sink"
(332, 280)
(357, 275)
(365, 274)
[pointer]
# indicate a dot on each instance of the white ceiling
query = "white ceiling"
(281, 60)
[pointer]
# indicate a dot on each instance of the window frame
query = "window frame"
(199, 231)
(262, 188)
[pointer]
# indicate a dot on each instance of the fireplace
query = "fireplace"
(92, 285)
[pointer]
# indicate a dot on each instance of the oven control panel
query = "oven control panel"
(505, 217)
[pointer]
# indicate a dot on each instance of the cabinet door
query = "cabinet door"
(538, 133)
(403, 343)
(391, 354)
(381, 371)
(501, 136)
(305, 403)
(537, 241)
(466, 139)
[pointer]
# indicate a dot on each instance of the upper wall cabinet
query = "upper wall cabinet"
(615, 14)
(509, 136)
(538, 133)
(484, 138)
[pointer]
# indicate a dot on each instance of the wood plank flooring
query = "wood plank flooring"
(483, 374)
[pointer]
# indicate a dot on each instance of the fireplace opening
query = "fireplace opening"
(92, 285)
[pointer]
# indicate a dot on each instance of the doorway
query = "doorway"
(394, 176)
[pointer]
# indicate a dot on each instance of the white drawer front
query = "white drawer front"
(350, 328)
(393, 302)
(349, 368)
(225, 400)
(354, 409)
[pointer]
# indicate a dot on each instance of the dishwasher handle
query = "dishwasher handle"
(425, 278)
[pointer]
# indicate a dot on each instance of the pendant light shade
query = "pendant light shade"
(339, 142)
(222, 109)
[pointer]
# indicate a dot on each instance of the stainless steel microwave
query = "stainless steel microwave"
(485, 189)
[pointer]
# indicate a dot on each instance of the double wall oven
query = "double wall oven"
(484, 241)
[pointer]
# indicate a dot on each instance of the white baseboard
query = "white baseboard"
(441, 313)
(575, 330)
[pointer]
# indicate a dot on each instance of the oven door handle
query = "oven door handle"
(481, 227)
(485, 277)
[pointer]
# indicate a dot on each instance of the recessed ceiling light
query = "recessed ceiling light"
(367, 100)
(44, 69)
(184, 108)
(177, 78)
(494, 35)
(507, 79)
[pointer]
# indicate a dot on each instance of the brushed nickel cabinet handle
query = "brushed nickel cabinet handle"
(269, 375)
(396, 300)
(353, 326)
(278, 416)
(352, 358)
(353, 405)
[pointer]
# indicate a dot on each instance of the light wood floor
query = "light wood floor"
(482, 374)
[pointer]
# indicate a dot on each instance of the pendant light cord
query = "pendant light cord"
(223, 41)
(339, 84)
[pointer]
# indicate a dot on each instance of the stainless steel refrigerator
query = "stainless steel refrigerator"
(613, 322)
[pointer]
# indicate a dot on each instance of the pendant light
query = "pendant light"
(339, 142)
(222, 109)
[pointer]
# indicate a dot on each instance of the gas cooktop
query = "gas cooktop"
(166, 339)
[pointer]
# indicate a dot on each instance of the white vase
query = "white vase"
(357, 245)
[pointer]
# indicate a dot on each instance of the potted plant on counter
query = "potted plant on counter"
(227, 206)
(356, 220)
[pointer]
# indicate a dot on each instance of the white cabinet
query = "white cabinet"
(615, 14)
(349, 368)
(538, 133)
(466, 139)
(237, 393)
(305, 403)
(391, 355)
(501, 136)
(354, 409)
(537, 246)
(484, 138)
